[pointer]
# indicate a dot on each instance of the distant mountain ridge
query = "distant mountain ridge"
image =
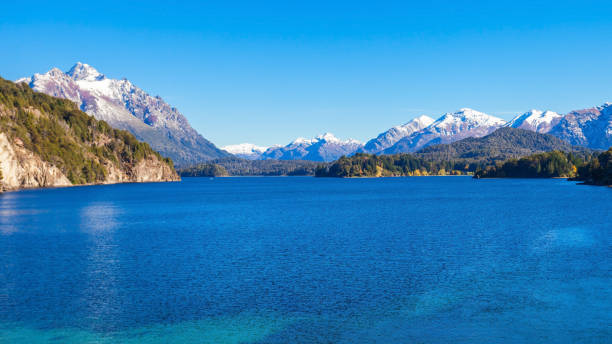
(152, 120)
(535, 120)
(391, 136)
(245, 150)
(465, 157)
(502, 144)
(125, 106)
(448, 128)
(324, 147)
(588, 127)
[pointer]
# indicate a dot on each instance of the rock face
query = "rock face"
(321, 148)
(449, 128)
(48, 142)
(589, 127)
(24, 169)
(391, 136)
(125, 106)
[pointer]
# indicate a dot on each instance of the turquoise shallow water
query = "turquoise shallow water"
(305, 260)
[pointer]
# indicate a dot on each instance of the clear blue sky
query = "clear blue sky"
(267, 72)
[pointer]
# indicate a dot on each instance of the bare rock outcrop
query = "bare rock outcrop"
(23, 169)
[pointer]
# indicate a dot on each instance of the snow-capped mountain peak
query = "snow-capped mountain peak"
(415, 124)
(536, 120)
(325, 147)
(322, 138)
(245, 150)
(464, 120)
(125, 106)
(327, 137)
(590, 127)
(423, 120)
(450, 127)
(390, 137)
(470, 116)
(83, 71)
(54, 72)
(301, 141)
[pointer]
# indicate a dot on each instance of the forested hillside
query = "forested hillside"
(502, 144)
(371, 165)
(84, 150)
(598, 171)
(204, 170)
(544, 165)
(244, 167)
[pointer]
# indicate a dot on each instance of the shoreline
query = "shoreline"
(82, 185)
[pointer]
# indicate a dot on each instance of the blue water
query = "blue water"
(305, 260)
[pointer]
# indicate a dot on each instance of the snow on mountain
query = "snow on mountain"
(535, 120)
(589, 127)
(324, 147)
(450, 127)
(245, 150)
(125, 106)
(84, 72)
(391, 136)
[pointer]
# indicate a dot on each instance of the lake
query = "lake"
(306, 260)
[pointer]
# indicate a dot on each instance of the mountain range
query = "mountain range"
(395, 134)
(590, 128)
(502, 144)
(247, 151)
(151, 119)
(325, 148)
(125, 106)
(448, 128)
(468, 156)
(535, 120)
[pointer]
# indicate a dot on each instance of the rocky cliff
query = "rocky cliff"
(24, 169)
(48, 142)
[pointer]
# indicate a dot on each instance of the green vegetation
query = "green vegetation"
(501, 145)
(204, 170)
(598, 171)
(499, 154)
(370, 165)
(57, 131)
(554, 164)
(242, 167)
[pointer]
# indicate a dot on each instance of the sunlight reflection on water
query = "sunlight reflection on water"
(573, 237)
(99, 221)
